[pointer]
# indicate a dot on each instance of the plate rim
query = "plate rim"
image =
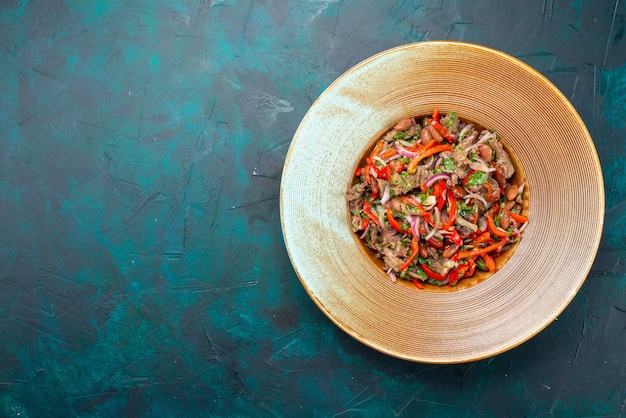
(594, 157)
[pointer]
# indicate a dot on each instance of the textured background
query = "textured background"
(142, 266)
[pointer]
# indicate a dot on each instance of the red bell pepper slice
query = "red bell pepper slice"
(418, 284)
(453, 276)
(436, 115)
(414, 251)
(471, 269)
(426, 153)
(455, 237)
(411, 200)
(518, 218)
(435, 243)
(443, 131)
(493, 228)
(439, 188)
(462, 269)
(489, 262)
(383, 172)
(452, 212)
(395, 224)
(367, 209)
(476, 252)
(484, 237)
(377, 149)
(387, 173)
(389, 153)
(430, 273)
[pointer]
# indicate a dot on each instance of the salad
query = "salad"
(434, 199)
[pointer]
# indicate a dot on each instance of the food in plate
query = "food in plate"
(435, 200)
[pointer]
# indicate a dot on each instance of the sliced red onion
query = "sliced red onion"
(471, 147)
(429, 162)
(481, 140)
(521, 188)
(434, 230)
(380, 215)
(386, 194)
(439, 160)
(482, 224)
(430, 202)
(521, 228)
(487, 136)
(430, 234)
(377, 158)
(477, 197)
(436, 178)
(373, 172)
(463, 222)
(481, 166)
(364, 234)
(415, 222)
(394, 157)
(392, 274)
(405, 152)
(405, 143)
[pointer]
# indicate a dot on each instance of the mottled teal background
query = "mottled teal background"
(142, 266)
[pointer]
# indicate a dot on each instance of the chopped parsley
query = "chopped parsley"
(453, 117)
(400, 135)
(448, 164)
(476, 179)
(463, 208)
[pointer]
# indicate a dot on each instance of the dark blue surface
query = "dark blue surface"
(142, 267)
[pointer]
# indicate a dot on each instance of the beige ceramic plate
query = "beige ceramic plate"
(538, 124)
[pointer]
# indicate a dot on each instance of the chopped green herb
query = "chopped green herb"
(400, 135)
(426, 261)
(453, 117)
(463, 208)
(422, 197)
(477, 178)
(448, 164)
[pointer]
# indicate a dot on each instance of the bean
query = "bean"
(458, 192)
(509, 205)
(499, 175)
(396, 205)
(425, 136)
(512, 192)
(486, 153)
(423, 251)
(403, 125)
(450, 250)
(505, 220)
(435, 133)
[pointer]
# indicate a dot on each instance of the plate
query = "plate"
(540, 127)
